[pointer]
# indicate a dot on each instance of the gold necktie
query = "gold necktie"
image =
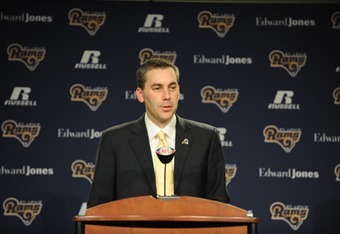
(159, 170)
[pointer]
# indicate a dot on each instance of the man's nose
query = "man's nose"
(166, 94)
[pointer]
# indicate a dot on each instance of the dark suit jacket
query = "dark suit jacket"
(124, 165)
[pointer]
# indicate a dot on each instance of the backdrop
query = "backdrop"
(266, 75)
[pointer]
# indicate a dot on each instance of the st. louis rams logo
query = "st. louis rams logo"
(224, 99)
(292, 63)
(93, 97)
(285, 138)
(337, 172)
(31, 57)
(81, 169)
(147, 53)
(24, 133)
(230, 172)
(91, 22)
(220, 24)
(336, 20)
(294, 216)
(26, 211)
(336, 96)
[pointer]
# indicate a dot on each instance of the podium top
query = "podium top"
(148, 208)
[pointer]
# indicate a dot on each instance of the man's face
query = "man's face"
(160, 95)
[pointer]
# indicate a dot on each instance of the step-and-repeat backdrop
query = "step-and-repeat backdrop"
(267, 76)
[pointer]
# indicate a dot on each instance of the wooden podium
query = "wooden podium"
(149, 215)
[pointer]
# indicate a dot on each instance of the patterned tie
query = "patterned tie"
(159, 170)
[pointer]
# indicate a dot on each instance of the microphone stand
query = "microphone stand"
(165, 155)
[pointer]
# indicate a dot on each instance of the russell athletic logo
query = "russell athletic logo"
(20, 97)
(219, 23)
(91, 22)
(24, 133)
(283, 101)
(31, 57)
(293, 215)
(292, 63)
(153, 24)
(286, 138)
(81, 169)
(224, 99)
(26, 211)
(92, 97)
(336, 20)
(90, 60)
(147, 53)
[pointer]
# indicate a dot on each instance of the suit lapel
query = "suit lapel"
(183, 145)
(139, 142)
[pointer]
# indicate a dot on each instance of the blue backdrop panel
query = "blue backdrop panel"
(266, 75)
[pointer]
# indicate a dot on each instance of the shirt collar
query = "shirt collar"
(153, 129)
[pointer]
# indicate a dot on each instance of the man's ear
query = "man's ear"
(139, 95)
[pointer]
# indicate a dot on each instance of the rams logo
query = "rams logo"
(91, 22)
(93, 97)
(292, 63)
(26, 211)
(285, 138)
(147, 53)
(31, 57)
(294, 216)
(220, 24)
(24, 133)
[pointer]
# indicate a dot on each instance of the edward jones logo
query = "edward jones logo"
(224, 99)
(293, 215)
(284, 138)
(26, 211)
(91, 22)
(147, 53)
(92, 97)
(31, 57)
(24, 133)
(81, 169)
(220, 24)
(292, 63)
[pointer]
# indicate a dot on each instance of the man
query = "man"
(126, 159)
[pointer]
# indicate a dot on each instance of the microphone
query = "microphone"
(165, 155)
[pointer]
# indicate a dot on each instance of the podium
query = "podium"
(149, 215)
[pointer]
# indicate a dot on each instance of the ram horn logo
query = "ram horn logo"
(24, 133)
(26, 211)
(294, 216)
(93, 97)
(292, 63)
(81, 169)
(224, 99)
(31, 57)
(220, 24)
(147, 53)
(91, 22)
(285, 138)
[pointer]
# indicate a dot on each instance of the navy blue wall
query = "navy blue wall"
(268, 76)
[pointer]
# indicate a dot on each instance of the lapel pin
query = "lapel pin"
(185, 142)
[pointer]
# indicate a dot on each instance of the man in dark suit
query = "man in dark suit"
(126, 158)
